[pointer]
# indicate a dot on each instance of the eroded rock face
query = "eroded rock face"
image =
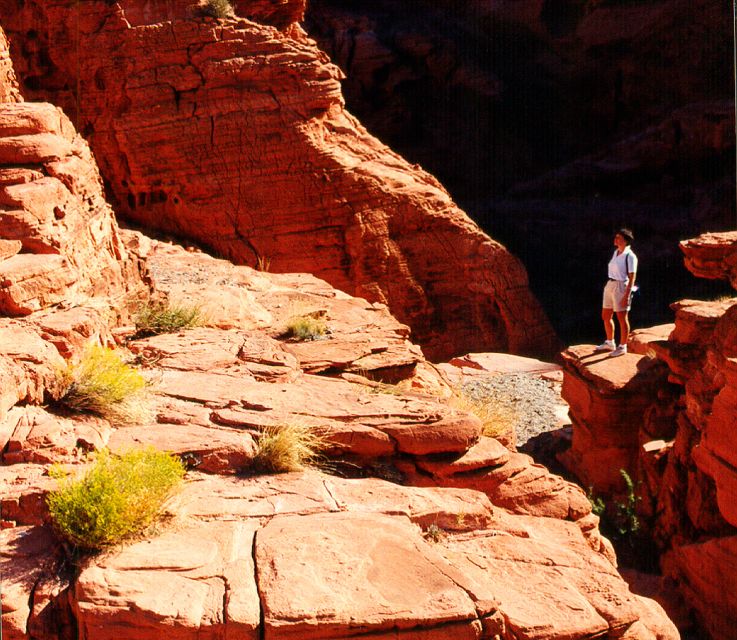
(8, 84)
(257, 159)
(61, 241)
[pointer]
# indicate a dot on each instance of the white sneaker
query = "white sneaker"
(607, 345)
(619, 351)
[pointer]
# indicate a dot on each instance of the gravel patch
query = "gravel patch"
(532, 399)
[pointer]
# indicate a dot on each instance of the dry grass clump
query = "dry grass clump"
(102, 383)
(496, 415)
(306, 327)
(288, 447)
(215, 9)
(116, 498)
(155, 318)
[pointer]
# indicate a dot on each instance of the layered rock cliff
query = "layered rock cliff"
(491, 546)
(233, 133)
(666, 414)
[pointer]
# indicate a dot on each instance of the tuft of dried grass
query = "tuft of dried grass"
(495, 413)
(288, 447)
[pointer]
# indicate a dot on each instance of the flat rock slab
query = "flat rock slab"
(495, 363)
(348, 574)
(610, 375)
(447, 508)
(209, 449)
(193, 582)
(486, 453)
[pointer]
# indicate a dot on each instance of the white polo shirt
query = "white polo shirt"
(620, 266)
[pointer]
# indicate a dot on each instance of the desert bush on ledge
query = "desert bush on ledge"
(497, 417)
(117, 498)
(287, 447)
(102, 383)
(306, 327)
(154, 318)
(215, 9)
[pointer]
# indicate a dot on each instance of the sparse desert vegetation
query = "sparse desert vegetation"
(288, 447)
(102, 383)
(155, 318)
(306, 327)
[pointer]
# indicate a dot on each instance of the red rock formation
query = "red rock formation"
(256, 158)
(680, 443)
(59, 236)
(713, 256)
(8, 84)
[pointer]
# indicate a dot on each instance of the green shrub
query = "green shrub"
(155, 318)
(289, 447)
(102, 383)
(625, 517)
(306, 327)
(215, 8)
(116, 498)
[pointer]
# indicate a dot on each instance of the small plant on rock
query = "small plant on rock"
(288, 447)
(102, 383)
(598, 506)
(306, 327)
(156, 317)
(433, 533)
(215, 9)
(115, 499)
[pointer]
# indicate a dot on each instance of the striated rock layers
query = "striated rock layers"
(666, 413)
(233, 133)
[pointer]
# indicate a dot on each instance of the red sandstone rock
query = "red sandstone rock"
(23, 497)
(706, 572)
(256, 158)
(26, 553)
(608, 398)
(39, 436)
(8, 84)
(712, 255)
(69, 239)
(371, 574)
(194, 581)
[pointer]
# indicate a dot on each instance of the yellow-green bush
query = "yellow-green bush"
(116, 498)
(154, 318)
(306, 327)
(102, 383)
(288, 447)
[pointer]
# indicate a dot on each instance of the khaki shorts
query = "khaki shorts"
(613, 293)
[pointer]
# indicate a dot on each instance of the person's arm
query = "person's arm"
(631, 275)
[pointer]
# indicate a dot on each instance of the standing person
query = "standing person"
(618, 293)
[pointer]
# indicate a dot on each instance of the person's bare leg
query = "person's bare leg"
(624, 326)
(607, 315)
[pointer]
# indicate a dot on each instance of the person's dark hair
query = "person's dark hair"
(627, 235)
